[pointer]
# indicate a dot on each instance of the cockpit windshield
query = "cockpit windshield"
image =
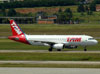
(90, 38)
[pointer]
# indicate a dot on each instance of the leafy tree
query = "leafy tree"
(86, 8)
(64, 17)
(68, 13)
(97, 1)
(3, 11)
(68, 10)
(60, 10)
(38, 3)
(61, 18)
(81, 8)
(12, 12)
(93, 6)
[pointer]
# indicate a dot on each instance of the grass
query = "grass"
(6, 44)
(93, 30)
(51, 65)
(92, 19)
(54, 56)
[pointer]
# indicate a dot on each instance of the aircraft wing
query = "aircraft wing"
(48, 42)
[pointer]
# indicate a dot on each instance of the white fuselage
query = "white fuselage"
(76, 40)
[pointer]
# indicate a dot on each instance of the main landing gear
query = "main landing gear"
(85, 48)
(50, 49)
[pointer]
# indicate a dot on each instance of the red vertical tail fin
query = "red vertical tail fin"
(16, 30)
(18, 34)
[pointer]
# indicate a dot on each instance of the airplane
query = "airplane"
(57, 42)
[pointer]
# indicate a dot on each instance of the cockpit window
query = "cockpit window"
(90, 38)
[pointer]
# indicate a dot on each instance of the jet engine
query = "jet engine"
(71, 47)
(58, 46)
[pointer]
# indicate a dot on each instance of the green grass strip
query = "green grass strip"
(52, 65)
(51, 56)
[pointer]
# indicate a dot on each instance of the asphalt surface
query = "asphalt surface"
(46, 51)
(48, 71)
(51, 62)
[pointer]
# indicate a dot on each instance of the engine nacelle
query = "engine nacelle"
(70, 47)
(58, 46)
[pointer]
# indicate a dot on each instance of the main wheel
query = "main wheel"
(85, 49)
(50, 49)
(58, 49)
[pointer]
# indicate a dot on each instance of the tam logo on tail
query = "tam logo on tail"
(15, 28)
(17, 33)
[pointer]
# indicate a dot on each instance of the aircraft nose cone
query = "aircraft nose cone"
(96, 42)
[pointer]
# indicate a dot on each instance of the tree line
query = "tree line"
(97, 1)
(37, 3)
(87, 8)
(68, 17)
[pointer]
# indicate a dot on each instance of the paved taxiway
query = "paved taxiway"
(48, 71)
(46, 51)
(51, 62)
